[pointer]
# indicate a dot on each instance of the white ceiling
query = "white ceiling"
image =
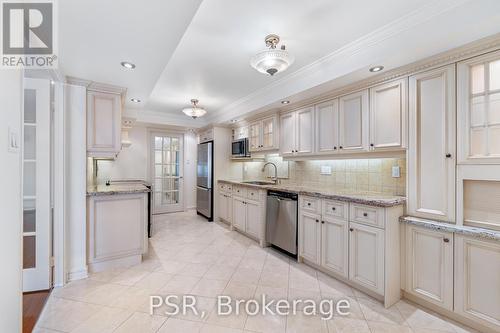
(183, 51)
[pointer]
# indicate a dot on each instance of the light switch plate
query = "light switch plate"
(13, 141)
(396, 172)
(326, 170)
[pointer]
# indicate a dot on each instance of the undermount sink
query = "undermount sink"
(258, 183)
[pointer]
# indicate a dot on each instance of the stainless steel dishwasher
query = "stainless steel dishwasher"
(281, 220)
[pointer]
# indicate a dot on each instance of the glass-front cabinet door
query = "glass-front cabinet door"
(254, 136)
(268, 133)
(479, 110)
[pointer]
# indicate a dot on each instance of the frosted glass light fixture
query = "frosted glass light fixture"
(194, 111)
(273, 60)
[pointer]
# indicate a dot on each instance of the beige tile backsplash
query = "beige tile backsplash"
(363, 175)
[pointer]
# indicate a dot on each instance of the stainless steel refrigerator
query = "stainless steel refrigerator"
(204, 180)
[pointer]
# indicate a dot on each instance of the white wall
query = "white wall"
(133, 163)
(10, 204)
(76, 186)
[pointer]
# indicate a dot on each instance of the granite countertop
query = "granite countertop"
(448, 227)
(365, 198)
(96, 190)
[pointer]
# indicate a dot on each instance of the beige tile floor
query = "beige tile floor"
(190, 256)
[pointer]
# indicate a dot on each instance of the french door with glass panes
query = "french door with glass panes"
(167, 172)
(36, 185)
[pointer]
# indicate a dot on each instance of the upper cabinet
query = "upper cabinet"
(353, 122)
(263, 134)
(431, 154)
(478, 98)
(297, 132)
(104, 112)
(327, 127)
(388, 113)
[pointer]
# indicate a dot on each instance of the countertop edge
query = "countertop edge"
(116, 192)
(383, 203)
(443, 226)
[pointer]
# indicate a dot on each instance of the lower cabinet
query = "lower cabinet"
(239, 213)
(335, 246)
(429, 265)
(248, 212)
(310, 235)
(477, 280)
(225, 207)
(366, 256)
(253, 219)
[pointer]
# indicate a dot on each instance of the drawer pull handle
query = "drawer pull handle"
(446, 240)
(351, 229)
(365, 214)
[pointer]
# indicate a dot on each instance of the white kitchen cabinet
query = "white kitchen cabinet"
(225, 207)
(310, 235)
(297, 132)
(353, 117)
(366, 256)
(432, 145)
(240, 133)
(104, 113)
(478, 107)
(206, 135)
(429, 265)
(335, 245)
(239, 213)
(263, 134)
(388, 115)
(477, 280)
(253, 219)
(327, 127)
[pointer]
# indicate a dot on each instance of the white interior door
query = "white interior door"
(36, 185)
(167, 172)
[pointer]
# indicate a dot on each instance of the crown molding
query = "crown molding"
(164, 118)
(372, 39)
(96, 86)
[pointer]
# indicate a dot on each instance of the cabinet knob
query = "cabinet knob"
(317, 221)
(333, 208)
(335, 148)
(351, 229)
(446, 240)
(448, 155)
(372, 145)
(365, 214)
(340, 147)
(322, 222)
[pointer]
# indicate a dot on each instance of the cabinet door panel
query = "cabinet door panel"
(103, 123)
(309, 237)
(477, 280)
(334, 246)
(327, 122)
(388, 115)
(429, 265)
(305, 131)
(432, 136)
(366, 256)
(287, 133)
(255, 136)
(223, 207)
(239, 213)
(353, 115)
(253, 219)
(269, 133)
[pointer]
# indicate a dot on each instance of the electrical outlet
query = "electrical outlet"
(396, 172)
(326, 170)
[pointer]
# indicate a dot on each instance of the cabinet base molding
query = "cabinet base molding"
(261, 242)
(78, 274)
(447, 313)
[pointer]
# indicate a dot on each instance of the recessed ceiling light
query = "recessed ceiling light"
(127, 65)
(285, 102)
(135, 100)
(376, 69)
(234, 120)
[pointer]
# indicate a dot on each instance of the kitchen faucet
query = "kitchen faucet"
(275, 180)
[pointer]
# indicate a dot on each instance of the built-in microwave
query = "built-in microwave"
(239, 148)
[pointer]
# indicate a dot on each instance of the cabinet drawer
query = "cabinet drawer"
(310, 204)
(225, 187)
(253, 193)
(335, 209)
(239, 190)
(367, 215)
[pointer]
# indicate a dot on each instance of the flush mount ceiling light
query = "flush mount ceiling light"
(135, 100)
(127, 65)
(285, 102)
(273, 60)
(195, 111)
(376, 69)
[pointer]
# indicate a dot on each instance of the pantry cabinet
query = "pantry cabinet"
(327, 127)
(429, 265)
(366, 256)
(353, 118)
(297, 132)
(477, 280)
(104, 113)
(432, 144)
(478, 98)
(388, 115)
(263, 134)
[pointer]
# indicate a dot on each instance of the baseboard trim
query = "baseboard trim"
(78, 274)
